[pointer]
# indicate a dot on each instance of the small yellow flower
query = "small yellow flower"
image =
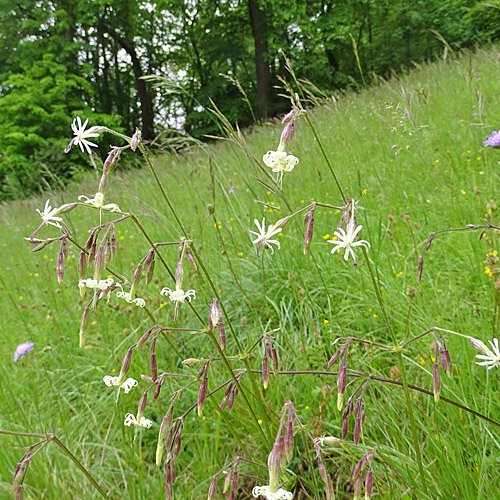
(122, 237)
(375, 315)
(462, 191)
(131, 236)
(364, 191)
(337, 212)
(301, 201)
(272, 203)
(325, 322)
(469, 151)
(400, 273)
(422, 361)
(259, 421)
(36, 275)
(231, 219)
(334, 238)
(481, 173)
(20, 297)
(478, 158)
(327, 235)
(433, 359)
(307, 407)
(45, 256)
(487, 271)
(240, 254)
(269, 192)
(437, 161)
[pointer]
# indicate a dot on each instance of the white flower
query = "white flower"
(491, 358)
(279, 161)
(126, 295)
(131, 420)
(98, 202)
(178, 295)
(126, 386)
(81, 135)
(100, 285)
(49, 215)
(264, 237)
(346, 240)
(263, 491)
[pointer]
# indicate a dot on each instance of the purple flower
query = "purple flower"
(22, 349)
(231, 190)
(493, 140)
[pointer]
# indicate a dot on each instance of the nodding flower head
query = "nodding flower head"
(98, 202)
(179, 295)
(131, 420)
(96, 284)
(264, 492)
(126, 295)
(279, 161)
(126, 386)
(490, 358)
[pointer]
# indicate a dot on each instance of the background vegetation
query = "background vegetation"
(415, 145)
(63, 58)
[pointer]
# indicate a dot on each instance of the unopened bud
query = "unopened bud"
(446, 364)
(289, 116)
(190, 361)
(341, 381)
(84, 324)
(308, 235)
(274, 465)
(125, 366)
(142, 406)
(99, 263)
(202, 394)
(222, 336)
(135, 139)
(358, 487)
(265, 371)
(60, 262)
(215, 314)
(368, 485)
(211, 209)
(357, 430)
(135, 280)
(212, 489)
(437, 382)
(288, 443)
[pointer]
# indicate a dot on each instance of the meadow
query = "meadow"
(410, 149)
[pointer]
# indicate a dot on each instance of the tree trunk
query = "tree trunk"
(259, 31)
(142, 90)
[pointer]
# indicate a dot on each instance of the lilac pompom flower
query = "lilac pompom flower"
(22, 349)
(493, 140)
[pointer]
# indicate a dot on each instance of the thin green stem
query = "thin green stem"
(397, 349)
(325, 156)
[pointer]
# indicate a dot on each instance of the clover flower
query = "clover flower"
(49, 215)
(126, 295)
(96, 284)
(346, 239)
(491, 358)
(126, 386)
(280, 161)
(98, 202)
(264, 237)
(493, 139)
(22, 349)
(131, 420)
(264, 491)
(178, 295)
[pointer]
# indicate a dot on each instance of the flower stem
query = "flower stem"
(325, 156)
(397, 349)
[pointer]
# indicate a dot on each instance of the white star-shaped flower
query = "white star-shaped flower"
(137, 301)
(131, 420)
(49, 215)
(98, 202)
(178, 295)
(126, 386)
(264, 237)
(346, 239)
(81, 135)
(279, 161)
(96, 284)
(491, 358)
(263, 491)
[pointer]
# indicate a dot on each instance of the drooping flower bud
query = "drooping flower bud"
(288, 443)
(63, 252)
(215, 314)
(288, 133)
(135, 280)
(202, 394)
(134, 141)
(341, 381)
(368, 485)
(142, 406)
(162, 434)
(125, 366)
(99, 263)
(149, 265)
(212, 489)
(265, 371)
(436, 381)
(169, 481)
(445, 359)
(222, 336)
(309, 232)
(83, 325)
(274, 465)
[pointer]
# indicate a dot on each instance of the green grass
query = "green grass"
(441, 177)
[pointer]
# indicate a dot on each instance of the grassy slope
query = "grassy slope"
(435, 180)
